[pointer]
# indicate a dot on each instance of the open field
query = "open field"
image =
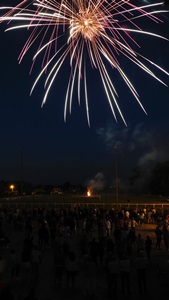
(102, 200)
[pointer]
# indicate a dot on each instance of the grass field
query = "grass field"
(104, 200)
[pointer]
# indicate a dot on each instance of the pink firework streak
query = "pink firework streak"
(71, 29)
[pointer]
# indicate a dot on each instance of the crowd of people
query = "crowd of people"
(82, 242)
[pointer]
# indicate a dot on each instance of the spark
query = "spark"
(85, 31)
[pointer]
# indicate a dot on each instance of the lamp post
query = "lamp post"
(116, 176)
(21, 179)
(12, 187)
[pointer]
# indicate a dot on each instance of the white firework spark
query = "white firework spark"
(94, 27)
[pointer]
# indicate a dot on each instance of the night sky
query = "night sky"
(53, 151)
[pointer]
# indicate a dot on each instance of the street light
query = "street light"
(12, 187)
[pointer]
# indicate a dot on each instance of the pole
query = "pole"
(21, 183)
(116, 177)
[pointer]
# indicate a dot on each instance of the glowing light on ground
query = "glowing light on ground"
(88, 192)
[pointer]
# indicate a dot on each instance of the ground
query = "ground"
(46, 288)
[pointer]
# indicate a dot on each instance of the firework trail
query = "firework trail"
(82, 31)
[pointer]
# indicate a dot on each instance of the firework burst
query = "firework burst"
(85, 30)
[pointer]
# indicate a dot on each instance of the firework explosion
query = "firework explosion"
(98, 31)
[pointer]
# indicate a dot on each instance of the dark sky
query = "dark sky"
(54, 151)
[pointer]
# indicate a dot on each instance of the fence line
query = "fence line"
(121, 205)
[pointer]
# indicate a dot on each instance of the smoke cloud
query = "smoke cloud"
(137, 140)
(137, 147)
(97, 183)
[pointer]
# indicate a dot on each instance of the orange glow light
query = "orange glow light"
(88, 193)
(12, 187)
